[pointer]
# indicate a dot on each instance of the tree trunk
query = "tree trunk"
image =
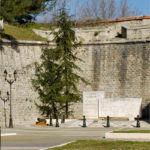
(54, 110)
(67, 110)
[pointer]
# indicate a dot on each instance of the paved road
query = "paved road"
(40, 138)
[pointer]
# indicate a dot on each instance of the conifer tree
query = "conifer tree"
(66, 45)
(22, 11)
(57, 78)
(47, 83)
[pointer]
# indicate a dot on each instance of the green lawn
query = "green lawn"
(133, 131)
(39, 26)
(105, 145)
(19, 33)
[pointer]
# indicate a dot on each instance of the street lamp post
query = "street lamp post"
(5, 100)
(1, 19)
(11, 81)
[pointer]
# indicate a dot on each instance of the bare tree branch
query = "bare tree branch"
(103, 9)
(111, 9)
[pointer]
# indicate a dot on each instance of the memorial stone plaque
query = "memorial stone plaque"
(120, 107)
(90, 103)
(95, 106)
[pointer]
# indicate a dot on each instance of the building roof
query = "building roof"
(94, 22)
(126, 19)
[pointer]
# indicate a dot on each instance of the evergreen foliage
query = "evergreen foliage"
(56, 77)
(22, 11)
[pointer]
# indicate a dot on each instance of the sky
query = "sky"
(143, 6)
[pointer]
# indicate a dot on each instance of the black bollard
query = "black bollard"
(84, 122)
(51, 123)
(108, 122)
(63, 119)
(138, 121)
(57, 122)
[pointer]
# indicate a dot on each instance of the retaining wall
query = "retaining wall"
(120, 68)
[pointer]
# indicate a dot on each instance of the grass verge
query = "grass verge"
(133, 131)
(105, 145)
(18, 33)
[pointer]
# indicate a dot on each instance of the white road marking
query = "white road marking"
(8, 134)
(60, 145)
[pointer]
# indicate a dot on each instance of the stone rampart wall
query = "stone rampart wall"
(121, 69)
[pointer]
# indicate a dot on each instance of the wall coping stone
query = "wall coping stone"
(23, 42)
(117, 42)
(83, 43)
(76, 30)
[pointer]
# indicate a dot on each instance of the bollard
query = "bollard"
(63, 119)
(51, 123)
(108, 122)
(138, 121)
(84, 122)
(57, 122)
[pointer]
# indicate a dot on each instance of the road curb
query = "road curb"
(60, 145)
(128, 136)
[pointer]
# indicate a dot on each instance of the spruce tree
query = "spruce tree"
(47, 83)
(57, 79)
(66, 45)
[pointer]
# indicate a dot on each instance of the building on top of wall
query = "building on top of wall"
(110, 30)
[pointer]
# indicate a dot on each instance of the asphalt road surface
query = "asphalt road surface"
(37, 138)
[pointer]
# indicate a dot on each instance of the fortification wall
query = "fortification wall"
(121, 69)
(20, 57)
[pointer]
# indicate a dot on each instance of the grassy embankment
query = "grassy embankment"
(11, 32)
(105, 145)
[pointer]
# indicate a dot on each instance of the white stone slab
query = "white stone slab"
(90, 103)
(121, 107)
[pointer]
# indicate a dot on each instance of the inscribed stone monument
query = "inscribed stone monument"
(120, 107)
(95, 106)
(90, 103)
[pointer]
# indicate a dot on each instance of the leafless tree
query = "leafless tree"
(111, 9)
(86, 11)
(125, 9)
(106, 9)
(103, 9)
